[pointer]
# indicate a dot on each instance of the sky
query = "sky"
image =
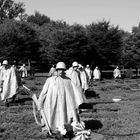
(124, 13)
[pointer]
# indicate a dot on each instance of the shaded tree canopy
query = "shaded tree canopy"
(105, 43)
(131, 49)
(18, 41)
(61, 42)
(37, 37)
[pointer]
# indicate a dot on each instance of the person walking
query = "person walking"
(8, 82)
(74, 75)
(117, 73)
(23, 71)
(0, 66)
(89, 72)
(59, 99)
(84, 78)
(52, 71)
(96, 74)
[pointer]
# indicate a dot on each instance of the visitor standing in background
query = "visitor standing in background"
(96, 74)
(89, 72)
(52, 71)
(117, 73)
(23, 71)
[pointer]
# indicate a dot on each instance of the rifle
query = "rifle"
(35, 101)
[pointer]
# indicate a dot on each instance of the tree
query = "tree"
(131, 49)
(10, 10)
(38, 19)
(61, 42)
(18, 41)
(105, 43)
(49, 35)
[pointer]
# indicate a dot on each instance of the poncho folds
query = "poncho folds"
(10, 83)
(59, 99)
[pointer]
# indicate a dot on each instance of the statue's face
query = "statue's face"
(75, 68)
(5, 66)
(61, 72)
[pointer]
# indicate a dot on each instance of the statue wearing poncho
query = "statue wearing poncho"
(59, 100)
(9, 83)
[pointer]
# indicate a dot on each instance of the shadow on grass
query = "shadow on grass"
(86, 106)
(91, 94)
(2, 130)
(93, 124)
(22, 101)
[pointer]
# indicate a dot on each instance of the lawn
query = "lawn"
(108, 120)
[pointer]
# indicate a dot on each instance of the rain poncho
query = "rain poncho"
(9, 83)
(117, 73)
(23, 71)
(69, 71)
(96, 74)
(52, 71)
(59, 100)
(89, 73)
(84, 80)
(74, 75)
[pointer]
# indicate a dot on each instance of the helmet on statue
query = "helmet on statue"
(75, 64)
(5, 62)
(60, 65)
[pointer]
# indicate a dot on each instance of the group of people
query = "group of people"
(61, 94)
(95, 74)
(10, 80)
(60, 97)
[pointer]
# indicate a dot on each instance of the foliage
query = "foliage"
(10, 10)
(38, 19)
(18, 41)
(61, 42)
(131, 49)
(105, 43)
(37, 37)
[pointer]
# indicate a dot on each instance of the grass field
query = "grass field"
(108, 120)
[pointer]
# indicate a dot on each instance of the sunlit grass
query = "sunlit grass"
(114, 121)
